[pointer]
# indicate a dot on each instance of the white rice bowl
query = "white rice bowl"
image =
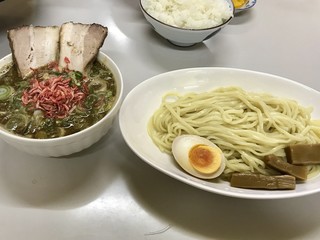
(189, 14)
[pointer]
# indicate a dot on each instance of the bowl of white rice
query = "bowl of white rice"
(187, 22)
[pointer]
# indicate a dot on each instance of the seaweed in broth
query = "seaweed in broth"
(27, 120)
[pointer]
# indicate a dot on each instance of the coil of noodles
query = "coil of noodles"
(247, 126)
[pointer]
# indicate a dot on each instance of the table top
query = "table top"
(106, 191)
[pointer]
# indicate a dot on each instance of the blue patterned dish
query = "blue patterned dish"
(247, 6)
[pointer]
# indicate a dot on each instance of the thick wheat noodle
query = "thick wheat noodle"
(246, 126)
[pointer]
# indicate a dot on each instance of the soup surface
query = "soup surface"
(54, 103)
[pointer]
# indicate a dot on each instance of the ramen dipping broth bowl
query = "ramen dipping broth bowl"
(66, 145)
(189, 22)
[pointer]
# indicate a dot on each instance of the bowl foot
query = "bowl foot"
(181, 44)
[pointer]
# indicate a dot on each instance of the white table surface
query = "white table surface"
(106, 192)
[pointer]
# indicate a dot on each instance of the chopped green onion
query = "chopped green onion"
(17, 123)
(78, 75)
(97, 85)
(90, 100)
(5, 92)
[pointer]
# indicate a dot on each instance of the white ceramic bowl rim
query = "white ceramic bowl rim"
(74, 135)
(189, 29)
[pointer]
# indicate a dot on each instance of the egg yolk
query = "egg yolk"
(205, 159)
(239, 3)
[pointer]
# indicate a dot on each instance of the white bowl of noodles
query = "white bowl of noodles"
(75, 142)
(135, 115)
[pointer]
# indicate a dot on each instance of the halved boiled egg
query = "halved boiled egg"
(198, 156)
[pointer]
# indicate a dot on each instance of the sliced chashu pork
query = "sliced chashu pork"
(80, 43)
(33, 47)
